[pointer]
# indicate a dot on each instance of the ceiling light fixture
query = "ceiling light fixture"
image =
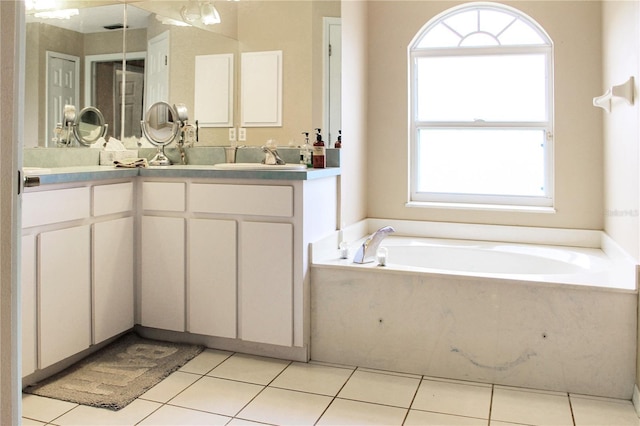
(210, 15)
(191, 12)
(205, 12)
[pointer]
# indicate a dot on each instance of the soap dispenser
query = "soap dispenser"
(305, 151)
(338, 143)
(319, 151)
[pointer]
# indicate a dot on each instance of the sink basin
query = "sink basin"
(258, 166)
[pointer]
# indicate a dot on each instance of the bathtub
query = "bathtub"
(537, 314)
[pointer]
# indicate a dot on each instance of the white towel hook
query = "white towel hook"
(624, 91)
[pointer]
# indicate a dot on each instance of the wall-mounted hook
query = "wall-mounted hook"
(624, 91)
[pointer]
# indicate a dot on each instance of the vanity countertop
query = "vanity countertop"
(56, 175)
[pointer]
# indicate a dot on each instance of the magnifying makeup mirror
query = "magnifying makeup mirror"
(89, 126)
(160, 127)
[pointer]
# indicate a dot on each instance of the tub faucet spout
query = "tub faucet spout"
(367, 251)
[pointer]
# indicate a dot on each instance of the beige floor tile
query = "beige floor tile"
(447, 397)
(312, 378)
(218, 396)
(29, 422)
(345, 412)
(242, 422)
(170, 416)
(205, 361)
(424, 418)
(530, 407)
(83, 415)
(249, 368)
(380, 388)
(285, 407)
(170, 387)
(589, 411)
(44, 409)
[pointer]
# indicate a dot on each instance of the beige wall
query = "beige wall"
(353, 155)
(621, 59)
(621, 127)
(578, 131)
(39, 39)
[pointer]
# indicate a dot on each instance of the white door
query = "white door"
(333, 79)
(133, 104)
(157, 69)
(63, 88)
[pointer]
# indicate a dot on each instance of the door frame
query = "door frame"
(327, 102)
(88, 67)
(12, 87)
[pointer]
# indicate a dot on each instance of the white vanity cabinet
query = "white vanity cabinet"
(264, 284)
(212, 288)
(227, 259)
(28, 305)
(77, 269)
(162, 257)
(64, 293)
(113, 260)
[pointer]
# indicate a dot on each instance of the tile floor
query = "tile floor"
(221, 388)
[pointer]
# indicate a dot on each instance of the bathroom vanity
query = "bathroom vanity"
(189, 253)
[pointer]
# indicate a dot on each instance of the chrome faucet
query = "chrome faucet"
(367, 251)
(272, 156)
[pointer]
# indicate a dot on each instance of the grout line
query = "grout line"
(490, 405)
(573, 417)
(336, 395)
(415, 394)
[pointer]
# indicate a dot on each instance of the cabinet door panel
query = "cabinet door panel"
(41, 208)
(112, 277)
(65, 293)
(163, 271)
(28, 282)
(266, 283)
(212, 277)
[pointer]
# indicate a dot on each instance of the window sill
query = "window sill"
(482, 207)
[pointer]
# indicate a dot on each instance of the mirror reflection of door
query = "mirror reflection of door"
(133, 98)
(63, 88)
(158, 69)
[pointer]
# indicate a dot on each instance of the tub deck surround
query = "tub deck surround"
(542, 331)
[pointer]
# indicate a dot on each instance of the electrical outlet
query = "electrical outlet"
(232, 134)
(242, 134)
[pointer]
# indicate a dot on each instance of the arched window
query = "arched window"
(481, 90)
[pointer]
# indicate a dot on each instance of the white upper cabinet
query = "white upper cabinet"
(261, 89)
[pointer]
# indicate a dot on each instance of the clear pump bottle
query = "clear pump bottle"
(305, 151)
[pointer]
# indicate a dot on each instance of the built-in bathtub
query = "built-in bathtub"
(557, 312)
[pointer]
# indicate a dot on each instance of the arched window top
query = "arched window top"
(481, 25)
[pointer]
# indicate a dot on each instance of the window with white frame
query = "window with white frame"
(481, 90)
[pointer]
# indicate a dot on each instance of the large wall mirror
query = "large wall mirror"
(80, 61)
